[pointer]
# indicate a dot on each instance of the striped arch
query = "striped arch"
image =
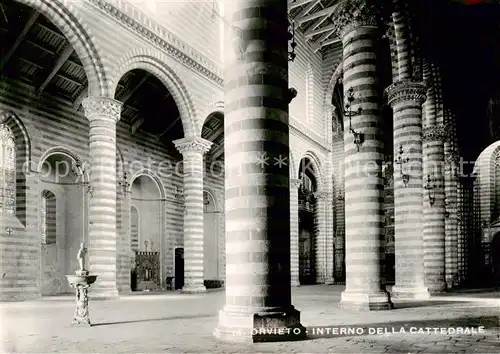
(153, 176)
(294, 173)
(316, 169)
(484, 169)
(156, 64)
(62, 14)
(62, 150)
(120, 163)
(23, 159)
(338, 73)
(216, 106)
(214, 197)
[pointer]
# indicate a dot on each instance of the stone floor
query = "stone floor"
(178, 323)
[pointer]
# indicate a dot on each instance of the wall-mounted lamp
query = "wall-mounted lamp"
(401, 161)
(124, 182)
(359, 138)
(446, 212)
(430, 186)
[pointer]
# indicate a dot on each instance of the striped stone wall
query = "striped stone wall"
(50, 123)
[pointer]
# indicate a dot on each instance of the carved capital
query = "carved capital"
(355, 13)
(295, 183)
(323, 195)
(403, 91)
(452, 158)
(102, 107)
(434, 133)
(193, 145)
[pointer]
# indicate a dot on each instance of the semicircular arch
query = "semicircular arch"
(155, 64)
(65, 18)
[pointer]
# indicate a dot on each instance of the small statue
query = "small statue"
(81, 256)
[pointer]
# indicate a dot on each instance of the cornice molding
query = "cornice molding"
(299, 130)
(157, 34)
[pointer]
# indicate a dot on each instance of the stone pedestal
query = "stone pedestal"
(81, 282)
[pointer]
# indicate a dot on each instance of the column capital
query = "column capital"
(434, 133)
(453, 157)
(355, 13)
(323, 195)
(406, 90)
(193, 144)
(97, 107)
(295, 183)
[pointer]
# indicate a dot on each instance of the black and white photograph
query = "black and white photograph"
(249, 176)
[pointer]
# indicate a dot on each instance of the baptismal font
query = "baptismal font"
(81, 281)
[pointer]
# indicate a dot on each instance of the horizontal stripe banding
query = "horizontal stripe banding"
(256, 129)
(103, 113)
(406, 99)
(363, 216)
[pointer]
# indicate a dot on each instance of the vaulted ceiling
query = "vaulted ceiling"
(34, 51)
(314, 19)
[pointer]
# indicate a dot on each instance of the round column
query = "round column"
(363, 169)
(294, 231)
(257, 189)
(434, 220)
(103, 113)
(406, 99)
(451, 222)
(192, 150)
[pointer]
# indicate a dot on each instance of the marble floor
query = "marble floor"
(180, 323)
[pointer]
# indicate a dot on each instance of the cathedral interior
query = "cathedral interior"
(209, 145)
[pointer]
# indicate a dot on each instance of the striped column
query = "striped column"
(402, 37)
(294, 231)
(451, 222)
(192, 150)
(257, 189)
(363, 170)
(325, 249)
(102, 113)
(406, 99)
(434, 221)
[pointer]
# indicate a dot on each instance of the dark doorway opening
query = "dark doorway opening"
(179, 268)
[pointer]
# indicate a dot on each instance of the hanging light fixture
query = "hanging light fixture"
(358, 137)
(430, 186)
(401, 162)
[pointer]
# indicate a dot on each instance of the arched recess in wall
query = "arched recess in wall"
(212, 130)
(65, 18)
(311, 183)
(63, 180)
(52, 268)
(488, 183)
(16, 186)
(147, 195)
(154, 63)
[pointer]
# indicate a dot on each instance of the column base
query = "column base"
(295, 283)
(193, 289)
(243, 325)
(98, 294)
(436, 289)
(367, 301)
(407, 293)
(330, 281)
